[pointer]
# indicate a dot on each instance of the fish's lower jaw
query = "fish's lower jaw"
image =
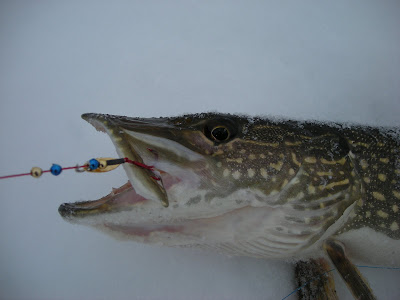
(249, 231)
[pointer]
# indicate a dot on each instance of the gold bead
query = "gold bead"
(102, 164)
(36, 172)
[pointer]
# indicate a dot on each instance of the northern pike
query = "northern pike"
(258, 187)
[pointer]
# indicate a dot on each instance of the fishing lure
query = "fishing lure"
(99, 165)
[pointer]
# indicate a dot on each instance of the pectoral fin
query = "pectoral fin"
(350, 274)
(315, 280)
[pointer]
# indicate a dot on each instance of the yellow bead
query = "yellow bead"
(36, 172)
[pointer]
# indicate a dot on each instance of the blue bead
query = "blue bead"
(55, 169)
(93, 164)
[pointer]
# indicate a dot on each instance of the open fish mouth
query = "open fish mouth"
(145, 184)
(177, 202)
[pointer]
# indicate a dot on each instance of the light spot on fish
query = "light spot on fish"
(394, 226)
(277, 166)
(364, 164)
(307, 220)
(310, 160)
(367, 179)
(378, 196)
(285, 182)
(396, 194)
(333, 184)
(252, 156)
(250, 173)
(292, 143)
(237, 160)
(333, 162)
(299, 196)
(368, 214)
(264, 173)
(274, 145)
(236, 175)
(325, 173)
(218, 152)
(322, 205)
(226, 173)
(294, 159)
(382, 214)
(219, 164)
(395, 208)
(382, 177)
(243, 151)
(384, 160)
(360, 144)
(291, 171)
(262, 155)
(311, 189)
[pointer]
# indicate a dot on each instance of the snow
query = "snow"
(334, 61)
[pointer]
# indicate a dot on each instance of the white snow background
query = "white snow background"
(328, 60)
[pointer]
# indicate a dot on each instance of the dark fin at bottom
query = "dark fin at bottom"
(349, 273)
(316, 280)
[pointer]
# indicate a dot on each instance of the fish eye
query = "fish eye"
(219, 130)
(220, 133)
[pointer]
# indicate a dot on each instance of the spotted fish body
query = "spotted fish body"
(253, 186)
